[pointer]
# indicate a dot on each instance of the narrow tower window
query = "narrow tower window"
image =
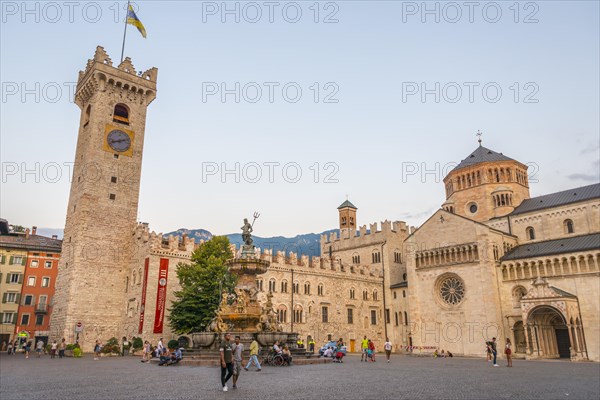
(121, 114)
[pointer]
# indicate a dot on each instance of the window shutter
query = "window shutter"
(14, 318)
(23, 260)
(10, 261)
(32, 300)
(3, 259)
(18, 298)
(20, 278)
(4, 297)
(1, 317)
(8, 278)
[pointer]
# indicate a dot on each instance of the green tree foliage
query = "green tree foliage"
(201, 282)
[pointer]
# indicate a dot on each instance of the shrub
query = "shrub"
(48, 348)
(138, 343)
(113, 341)
(70, 346)
(173, 344)
(77, 352)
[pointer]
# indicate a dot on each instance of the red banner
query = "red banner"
(143, 308)
(161, 295)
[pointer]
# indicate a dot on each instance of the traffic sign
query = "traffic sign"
(79, 327)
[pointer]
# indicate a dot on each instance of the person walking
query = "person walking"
(364, 345)
(388, 349)
(238, 359)
(494, 351)
(9, 348)
(53, 349)
(226, 355)
(146, 352)
(39, 347)
(159, 347)
(61, 348)
(97, 349)
(508, 352)
(27, 349)
(253, 356)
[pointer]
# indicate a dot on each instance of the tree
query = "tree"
(202, 282)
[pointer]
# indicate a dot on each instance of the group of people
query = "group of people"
(283, 352)
(442, 354)
(232, 358)
(40, 348)
(368, 350)
(492, 352)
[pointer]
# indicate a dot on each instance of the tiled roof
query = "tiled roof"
(558, 199)
(556, 246)
(33, 242)
(347, 204)
(481, 154)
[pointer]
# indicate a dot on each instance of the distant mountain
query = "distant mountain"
(307, 244)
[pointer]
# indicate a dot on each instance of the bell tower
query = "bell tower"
(347, 213)
(103, 201)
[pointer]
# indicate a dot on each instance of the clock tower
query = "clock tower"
(103, 202)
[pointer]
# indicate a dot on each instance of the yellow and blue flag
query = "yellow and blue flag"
(132, 19)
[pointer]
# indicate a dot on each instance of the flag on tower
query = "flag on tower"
(132, 19)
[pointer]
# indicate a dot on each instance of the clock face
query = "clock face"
(118, 140)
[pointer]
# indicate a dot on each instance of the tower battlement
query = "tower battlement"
(101, 75)
(388, 229)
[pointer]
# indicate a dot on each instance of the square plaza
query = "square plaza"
(405, 377)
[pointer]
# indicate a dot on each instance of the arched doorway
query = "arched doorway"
(519, 335)
(549, 333)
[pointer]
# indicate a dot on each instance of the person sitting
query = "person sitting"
(287, 356)
(276, 347)
(450, 354)
(164, 357)
(443, 354)
(435, 353)
(328, 352)
(176, 356)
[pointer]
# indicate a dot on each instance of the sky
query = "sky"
(289, 108)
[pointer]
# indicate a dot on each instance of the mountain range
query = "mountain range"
(308, 244)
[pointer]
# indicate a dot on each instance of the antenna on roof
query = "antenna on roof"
(478, 134)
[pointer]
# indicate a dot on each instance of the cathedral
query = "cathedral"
(491, 262)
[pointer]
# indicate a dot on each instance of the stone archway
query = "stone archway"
(549, 333)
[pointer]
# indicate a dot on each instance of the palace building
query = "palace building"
(491, 262)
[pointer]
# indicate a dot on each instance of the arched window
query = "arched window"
(530, 232)
(140, 275)
(126, 284)
(272, 285)
(365, 295)
(298, 314)
(284, 287)
(121, 114)
(518, 293)
(282, 314)
(320, 289)
(376, 256)
(259, 284)
(404, 276)
(88, 112)
(568, 224)
(375, 295)
(352, 293)
(295, 287)
(306, 288)
(405, 318)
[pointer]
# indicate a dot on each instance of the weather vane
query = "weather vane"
(478, 134)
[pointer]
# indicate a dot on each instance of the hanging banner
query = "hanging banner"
(161, 295)
(143, 307)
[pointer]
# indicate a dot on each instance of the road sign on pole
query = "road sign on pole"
(79, 327)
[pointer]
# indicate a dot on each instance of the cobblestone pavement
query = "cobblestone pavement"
(404, 377)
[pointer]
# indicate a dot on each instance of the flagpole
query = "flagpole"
(125, 31)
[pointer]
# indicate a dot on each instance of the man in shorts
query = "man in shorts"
(364, 345)
(238, 359)
(388, 349)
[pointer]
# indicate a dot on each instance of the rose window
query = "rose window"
(452, 290)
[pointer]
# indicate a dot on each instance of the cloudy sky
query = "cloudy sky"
(288, 107)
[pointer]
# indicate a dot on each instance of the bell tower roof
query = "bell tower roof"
(347, 204)
(481, 155)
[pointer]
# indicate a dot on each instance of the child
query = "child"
(97, 349)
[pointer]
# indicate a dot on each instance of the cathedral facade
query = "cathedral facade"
(491, 262)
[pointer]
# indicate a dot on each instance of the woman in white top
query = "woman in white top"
(508, 352)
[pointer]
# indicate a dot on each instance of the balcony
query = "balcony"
(41, 309)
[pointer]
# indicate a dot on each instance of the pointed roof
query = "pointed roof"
(480, 155)
(347, 204)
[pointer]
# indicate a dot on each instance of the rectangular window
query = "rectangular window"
(28, 300)
(31, 281)
(324, 314)
(11, 297)
(25, 319)
(8, 318)
(17, 260)
(39, 319)
(112, 196)
(42, 301)
(350, 316)
(113, 179)
(14, 278)
(373, 317)
(45, 281)
(34, 263)
(387, 315)
(48, 264)
(396, 316)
